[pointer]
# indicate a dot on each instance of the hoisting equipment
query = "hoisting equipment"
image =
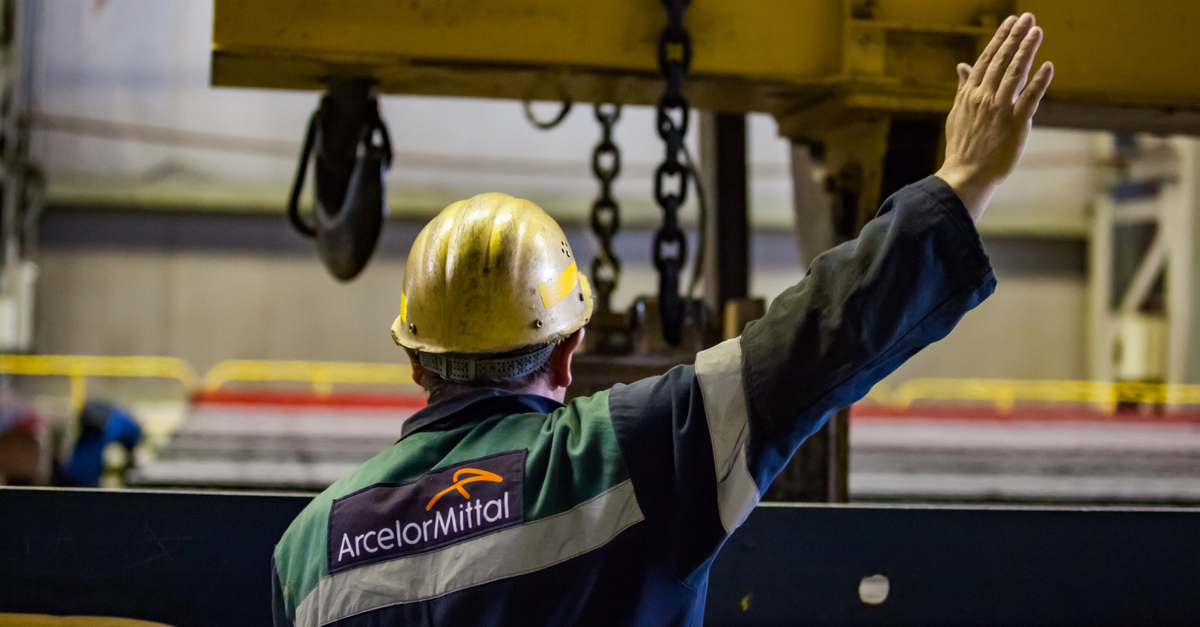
(353, 152)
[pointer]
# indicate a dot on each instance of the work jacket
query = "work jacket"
(507, 509)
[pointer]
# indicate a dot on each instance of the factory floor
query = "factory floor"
(1061, 458)
(935, 454)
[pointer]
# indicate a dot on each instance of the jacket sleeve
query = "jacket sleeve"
(725, 427)
(278, 610)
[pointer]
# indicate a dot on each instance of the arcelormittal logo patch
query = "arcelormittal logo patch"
(444, 507)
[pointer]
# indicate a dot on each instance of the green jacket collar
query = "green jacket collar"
(473, 406)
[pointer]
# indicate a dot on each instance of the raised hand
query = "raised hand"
(990, 121)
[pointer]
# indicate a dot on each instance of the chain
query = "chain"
(606, 214)
(670, 244)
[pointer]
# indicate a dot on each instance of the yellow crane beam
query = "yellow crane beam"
(838, 72)
(1121, 65)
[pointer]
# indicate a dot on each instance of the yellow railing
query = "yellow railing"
(322, 374)
(79, 368)
(1005, 393)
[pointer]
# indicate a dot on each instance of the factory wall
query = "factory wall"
(208, 305)
(1031, 328)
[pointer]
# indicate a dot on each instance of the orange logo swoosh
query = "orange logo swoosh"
(475, 475)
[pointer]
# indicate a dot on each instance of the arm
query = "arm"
(703, 443)
(726, 426)
(865, 308)
(869, 305)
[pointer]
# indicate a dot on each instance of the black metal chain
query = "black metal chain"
(606, 214)
(670, 243)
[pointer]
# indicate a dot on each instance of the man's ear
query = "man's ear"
(418, 369)
(561, 359)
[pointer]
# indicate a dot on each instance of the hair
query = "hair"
(439, 387)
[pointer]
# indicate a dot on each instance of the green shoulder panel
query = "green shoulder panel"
(572, 457)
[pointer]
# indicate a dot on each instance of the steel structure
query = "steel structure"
(21, 184)
(1143, 327)
(833, 71)
(202, 559)
(777, 56)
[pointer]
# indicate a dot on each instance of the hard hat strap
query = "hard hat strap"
(468, 369)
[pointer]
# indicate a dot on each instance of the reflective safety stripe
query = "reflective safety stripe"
(514, 551)
(556, 289)
(719, 370)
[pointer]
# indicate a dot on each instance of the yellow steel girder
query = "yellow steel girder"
(1119, 64)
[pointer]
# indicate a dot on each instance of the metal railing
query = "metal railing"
(79, 367)
(322, 374)
(1004, 394)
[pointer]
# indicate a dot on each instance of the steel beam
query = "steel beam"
(1120, 65)
(1133, 335)
(806, 565)
(1182, 226)
(730, 268)
(203, 559)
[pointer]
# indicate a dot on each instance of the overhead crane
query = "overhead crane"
(836, 71)
(1120, 65)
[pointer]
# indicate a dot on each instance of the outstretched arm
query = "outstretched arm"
(702, 443)
(904, 283)
(993, 111)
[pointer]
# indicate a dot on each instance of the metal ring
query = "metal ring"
(545, 126)
(609, 117)
(610, 173)
(293, 208)
(606, 261)
(606, 206)
(560, 92)
(665, 169)
(666, 125)
(674, 36)
(669, 236)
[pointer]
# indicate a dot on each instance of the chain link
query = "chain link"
(606, 214)
(670, 243)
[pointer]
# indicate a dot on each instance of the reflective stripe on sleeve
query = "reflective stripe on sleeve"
(719, 370)
(515, 551)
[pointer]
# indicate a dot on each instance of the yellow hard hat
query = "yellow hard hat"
(487, 278)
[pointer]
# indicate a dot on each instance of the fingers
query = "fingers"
(985, 57)
(1018, 71)
(1027, 102)
(1003, 57)
(964, 74)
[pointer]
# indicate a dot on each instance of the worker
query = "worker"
(501, 506)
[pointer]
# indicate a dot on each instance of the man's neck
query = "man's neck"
(540, 388)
